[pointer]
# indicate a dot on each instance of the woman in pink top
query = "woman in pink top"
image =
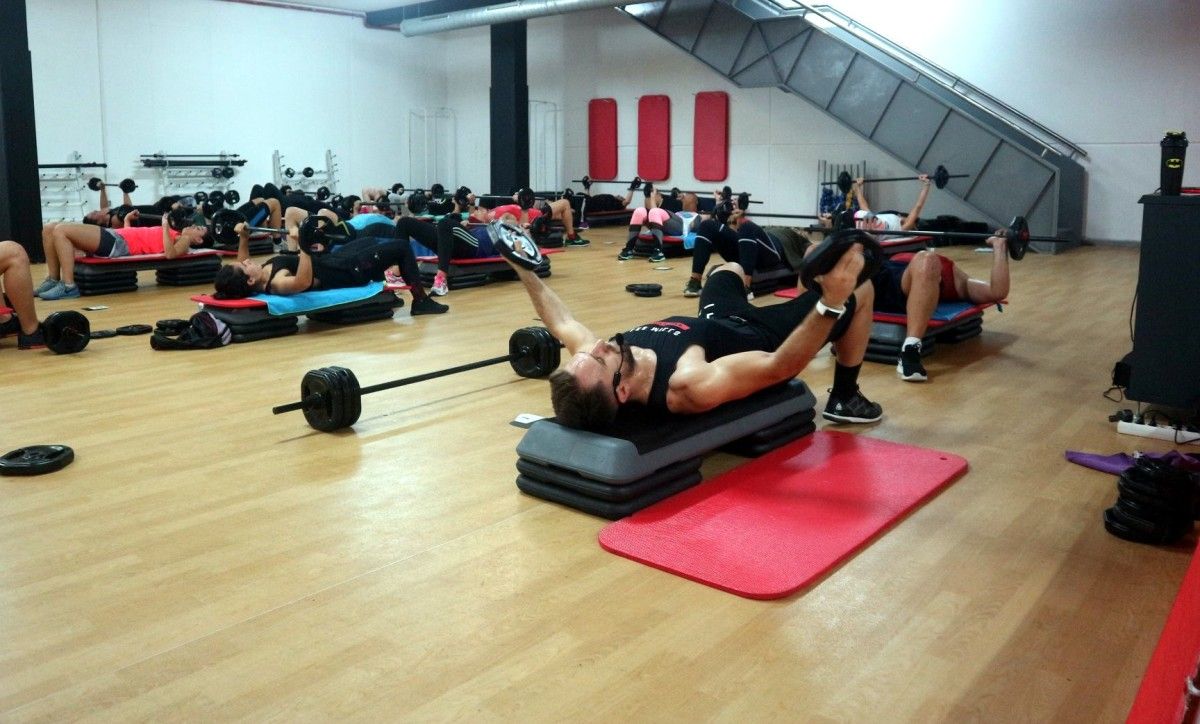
(62, 242)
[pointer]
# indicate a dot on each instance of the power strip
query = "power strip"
(1162, 432)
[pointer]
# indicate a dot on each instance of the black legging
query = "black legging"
(454, 242)
(365, 259)
(745, 247)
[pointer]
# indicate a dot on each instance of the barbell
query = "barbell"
(331, 397)
(940, 177)
(68, 331)
(96, 183)
(224, 226)
(1018, 236)
(218, 198)
(321, 194)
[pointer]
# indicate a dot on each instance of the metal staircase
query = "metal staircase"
(902, 103)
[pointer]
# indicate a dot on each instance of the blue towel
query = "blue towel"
(689, 240)
(946, 311)
(316, 299)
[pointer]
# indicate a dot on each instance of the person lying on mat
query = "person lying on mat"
(61, 243)
(16, 282)
(882, 222)
(358, 262)
(729, 351)
(914, 288)
(560, 210)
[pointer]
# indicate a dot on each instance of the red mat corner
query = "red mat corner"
(768, 528)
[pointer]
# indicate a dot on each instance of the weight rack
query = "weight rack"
(62, 187)
(326, 177)
(189, 172)
(828, 172)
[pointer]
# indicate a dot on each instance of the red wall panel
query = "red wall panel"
(602, 138)
(710, 141)
(654, 138)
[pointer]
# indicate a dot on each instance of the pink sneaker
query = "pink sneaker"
(440, 287)
(392, 279)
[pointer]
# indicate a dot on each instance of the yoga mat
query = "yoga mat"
(770, 527)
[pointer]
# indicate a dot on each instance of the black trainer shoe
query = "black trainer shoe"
(427, 306)
(625, 255)
(31, 341)
(854, 408)
(692, 289)
(909, 367)
(12, 326)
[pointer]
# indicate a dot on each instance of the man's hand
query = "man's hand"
(839, 282)
(924, 179)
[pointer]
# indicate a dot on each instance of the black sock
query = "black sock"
(845, 380)
(633, 237)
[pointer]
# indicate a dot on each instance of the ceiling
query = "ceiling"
(358, 5)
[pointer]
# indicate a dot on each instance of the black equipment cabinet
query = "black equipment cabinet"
(1165, 368)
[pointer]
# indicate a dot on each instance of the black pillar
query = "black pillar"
(510, 108)
(20, 197)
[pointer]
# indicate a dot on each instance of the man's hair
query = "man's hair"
(232, 282)
(574, 406)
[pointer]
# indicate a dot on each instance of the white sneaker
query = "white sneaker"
(440, 287)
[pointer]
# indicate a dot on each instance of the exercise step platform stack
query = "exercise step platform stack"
(250, 319)
(474, 272)
(98, 275)
(952, 322)
(643, 458)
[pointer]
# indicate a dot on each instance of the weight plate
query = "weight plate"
(103, 333)
(36, 460)
(130, 330)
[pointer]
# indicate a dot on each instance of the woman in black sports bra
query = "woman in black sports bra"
(353, 264)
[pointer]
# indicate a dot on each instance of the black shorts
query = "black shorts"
(889, 294)
(111, 245)
(724, 295)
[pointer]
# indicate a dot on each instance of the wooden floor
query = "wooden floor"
(205, 560)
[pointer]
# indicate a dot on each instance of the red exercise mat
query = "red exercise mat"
(769, 527)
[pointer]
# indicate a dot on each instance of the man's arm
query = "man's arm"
(910, 221)
(554, 314)
(856, 190)
(104, 197)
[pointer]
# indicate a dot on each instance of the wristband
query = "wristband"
(831, 312)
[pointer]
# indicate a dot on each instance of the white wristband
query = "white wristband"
(830, 312)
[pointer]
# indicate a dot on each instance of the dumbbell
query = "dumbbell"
(321, 194)
(222, 172)
(127, 185)
(306, 172)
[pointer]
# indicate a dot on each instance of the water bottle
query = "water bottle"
(1174, 147)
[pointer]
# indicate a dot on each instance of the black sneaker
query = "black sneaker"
(692, 289)
(12, 326)
(909, 367)
(625, 255)
(31, 341)
(855, 408)
(427, 306)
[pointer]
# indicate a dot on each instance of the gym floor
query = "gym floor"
(203, 559)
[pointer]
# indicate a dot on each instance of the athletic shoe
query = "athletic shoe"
(625, 255)
(577, 241)
(656, 257)
(392, 279)
(427, 306)
(440, 287)
(12, 326)
(855, 408)
(692, 289)
(46, 285)
(61, 291)
(582, 226)
(31, 341)
(909, 367)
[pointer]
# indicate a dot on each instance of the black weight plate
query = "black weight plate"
(103, 333)
(36, 460)
(130, 330)
(353, 395)
(325, 413)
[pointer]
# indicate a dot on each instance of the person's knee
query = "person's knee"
(925, 268)
(732, 266)
(12, 254)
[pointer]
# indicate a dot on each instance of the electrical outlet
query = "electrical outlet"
(1160, 432)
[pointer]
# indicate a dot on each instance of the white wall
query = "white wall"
(1110, 75)
(114, 79)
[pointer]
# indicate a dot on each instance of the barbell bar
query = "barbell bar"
(96, 183)
(941, 176)
(1018, 235)
(331, 397)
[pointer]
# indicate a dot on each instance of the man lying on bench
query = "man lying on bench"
(62, 241)
(731, 350)
(364, 259)
(737, 238)
(914, 287)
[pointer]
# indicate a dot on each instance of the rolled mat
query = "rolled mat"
(768, 528)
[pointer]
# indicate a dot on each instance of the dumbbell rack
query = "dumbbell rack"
(827, 172)
(300, 182)
(188, 173)
(63, 186)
